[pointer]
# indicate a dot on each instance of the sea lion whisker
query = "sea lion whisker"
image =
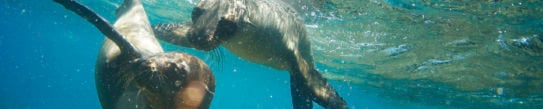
(217, 55)
(133, 70)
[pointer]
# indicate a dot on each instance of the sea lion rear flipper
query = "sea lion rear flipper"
(99, 22)
(307, 85)
(311, 86)
(324, 94)
(299, 93)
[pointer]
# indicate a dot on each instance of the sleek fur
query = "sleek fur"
(137, 73)
(267, 32)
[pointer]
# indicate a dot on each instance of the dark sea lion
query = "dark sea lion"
(268, 32)
(133, 72)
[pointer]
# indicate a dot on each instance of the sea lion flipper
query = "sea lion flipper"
(184, 34)
(311, 86)
(99, 22)
(298, 91)
(324, 94)
(174, 33)
(307, 85)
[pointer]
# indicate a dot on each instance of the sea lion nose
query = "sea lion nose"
(191, 96)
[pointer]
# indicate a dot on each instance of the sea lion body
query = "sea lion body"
(267, 32)
(154, 80)
(267, 35)
(113, 91)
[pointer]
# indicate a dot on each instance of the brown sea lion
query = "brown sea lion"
(132, 70)
(268, 32)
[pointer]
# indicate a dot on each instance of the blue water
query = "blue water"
(48, 54)
(47, 57)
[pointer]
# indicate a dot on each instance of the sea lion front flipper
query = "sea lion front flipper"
(185, 34)
(99, 22)
(174, 33)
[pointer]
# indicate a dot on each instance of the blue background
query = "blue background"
(47, 57)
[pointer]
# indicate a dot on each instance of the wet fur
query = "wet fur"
(138, 74)
(267, 32)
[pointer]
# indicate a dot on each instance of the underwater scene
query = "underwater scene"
(377, 54)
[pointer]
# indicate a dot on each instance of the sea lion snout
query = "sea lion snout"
(210, 38)
(176, 79)
(159, 70)
(226, 28)
(200, 39)
(172, 69)
(192, 95)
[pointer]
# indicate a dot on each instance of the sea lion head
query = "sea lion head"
(161, 80)
(211, 25)
(173, 80)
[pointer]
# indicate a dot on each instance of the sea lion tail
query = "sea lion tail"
(102, 24)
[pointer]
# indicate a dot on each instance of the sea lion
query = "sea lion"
(268, 32)
(132, 70)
